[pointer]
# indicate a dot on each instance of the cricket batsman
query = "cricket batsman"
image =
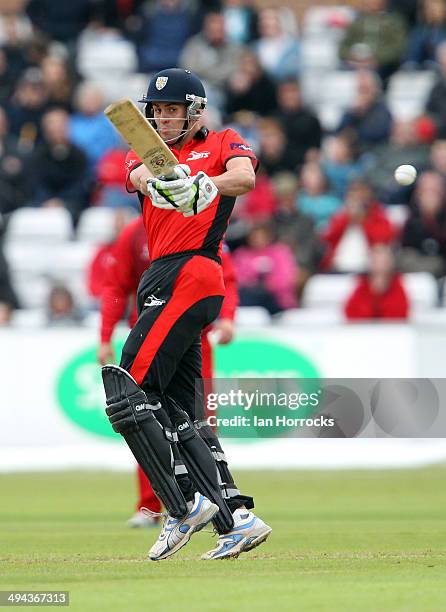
(125, 266)
(155, 397)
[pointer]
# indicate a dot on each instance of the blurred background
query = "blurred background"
(340, 269)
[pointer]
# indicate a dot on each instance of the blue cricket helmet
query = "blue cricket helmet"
(174, 85)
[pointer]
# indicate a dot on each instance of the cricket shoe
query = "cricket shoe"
(248, 532)
(142, 519)
(176, 533)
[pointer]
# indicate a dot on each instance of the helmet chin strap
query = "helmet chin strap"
(184, 132)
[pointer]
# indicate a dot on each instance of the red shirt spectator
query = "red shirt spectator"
(381, 293)
(361, 212)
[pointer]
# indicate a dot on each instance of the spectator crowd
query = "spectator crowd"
(325, 196)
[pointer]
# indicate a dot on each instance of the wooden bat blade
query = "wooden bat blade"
(141, 137)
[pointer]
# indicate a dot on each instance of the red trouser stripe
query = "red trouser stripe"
(187, 292)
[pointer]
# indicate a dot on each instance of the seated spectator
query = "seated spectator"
(165, 27)
(267, 272)
(249, 88)
(34, 51)
(369, 118)
(61, 308)
(59, 168)
(275, 154)
(375, 39)
(296, 229)
(315, 197)
(117, 14)
(427, 35)
(62, 21)
(12, 181)
(210, 55)
(58, 82)
(240, 21)
(111, 176)
(354, 229)
(339, 163)
(380, 293)
(12, 65)
(90, 129)
(8, 298)
(436, 101)
(26, 108)
(301, 124)
(15, 27)
(408, 9)
(276, 48)
(423, 239)
(16, 33)
(404, 147)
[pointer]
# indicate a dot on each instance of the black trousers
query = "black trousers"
(178, 296)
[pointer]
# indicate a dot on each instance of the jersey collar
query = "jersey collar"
(200, 135)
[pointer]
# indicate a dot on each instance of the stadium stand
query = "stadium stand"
(40, 243)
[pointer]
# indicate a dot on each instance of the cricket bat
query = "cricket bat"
(141, 137)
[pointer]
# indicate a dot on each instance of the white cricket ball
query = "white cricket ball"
(405, 174)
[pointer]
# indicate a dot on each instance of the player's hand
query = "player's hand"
(204, 194)
(224, 330)
(173, 192)
(106, 353)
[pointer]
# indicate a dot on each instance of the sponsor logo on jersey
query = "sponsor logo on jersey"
(240, 145)
(198, 155)
(183, 426)
(154, 301)
(161, 82)
(129, 163)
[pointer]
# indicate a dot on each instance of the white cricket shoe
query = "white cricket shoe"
(142, 520)
(248, 532)
(176, 533)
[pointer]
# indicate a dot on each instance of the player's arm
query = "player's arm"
(139, 177)
(193, 194)
(238, 179)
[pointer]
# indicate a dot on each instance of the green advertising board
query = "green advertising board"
(81, 397)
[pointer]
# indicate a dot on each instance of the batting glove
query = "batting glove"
(171, 193)
(204, 194)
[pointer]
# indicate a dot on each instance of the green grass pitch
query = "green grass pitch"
(342, 541)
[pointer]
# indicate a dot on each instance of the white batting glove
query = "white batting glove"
(204, 194)
(172, 193)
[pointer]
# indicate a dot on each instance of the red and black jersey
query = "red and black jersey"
(128, 260)
(170, 232)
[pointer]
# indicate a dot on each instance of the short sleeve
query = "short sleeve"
(233, 145)
(132, 161)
